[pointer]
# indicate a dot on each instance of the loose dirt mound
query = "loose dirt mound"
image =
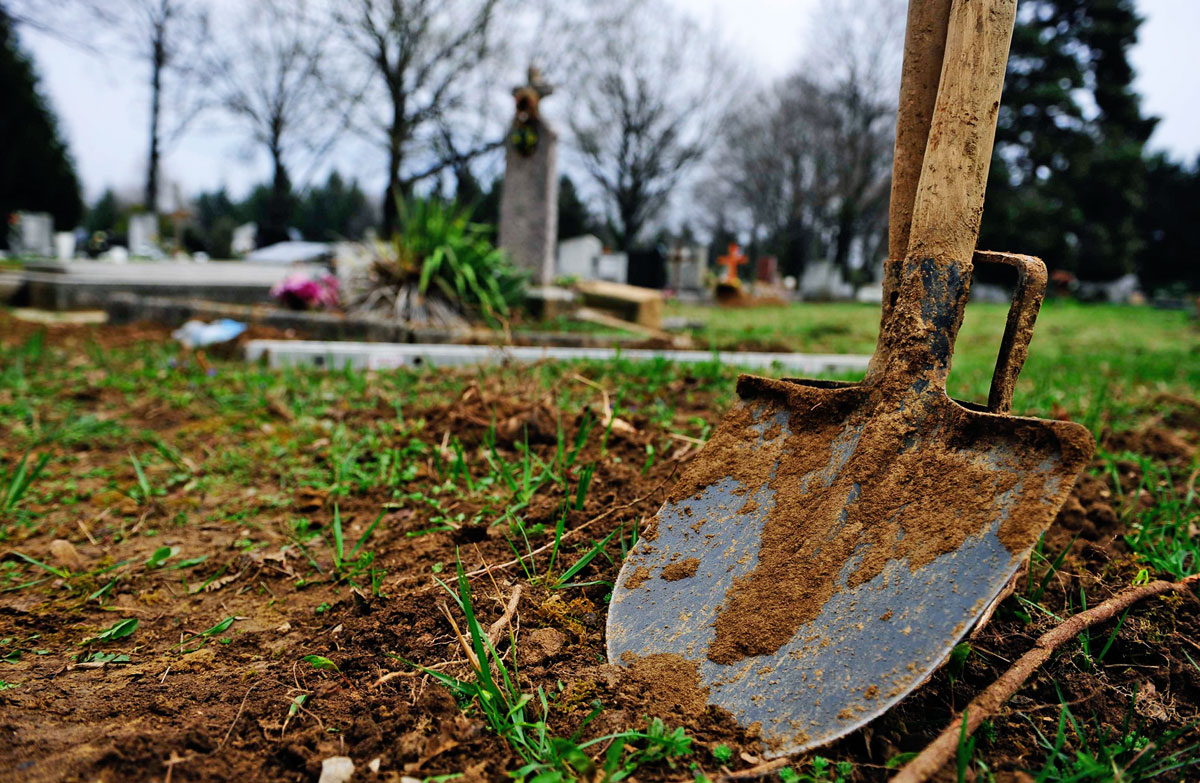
(243, 703)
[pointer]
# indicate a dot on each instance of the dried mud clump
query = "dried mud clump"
(681, 570)
(1155, 441)
(637, 578)
(670, 681)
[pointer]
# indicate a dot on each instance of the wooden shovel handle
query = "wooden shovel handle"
(923, 314)
(924, 45)
(948, 205)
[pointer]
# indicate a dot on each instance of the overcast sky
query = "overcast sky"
(102, 101)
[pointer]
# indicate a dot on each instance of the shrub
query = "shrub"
(441, 267)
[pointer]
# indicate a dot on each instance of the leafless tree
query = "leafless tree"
(169, 37)
(426, 60)
(269, 77)
(61, 19)
(808, 160)
(855, 58)
(645, 114)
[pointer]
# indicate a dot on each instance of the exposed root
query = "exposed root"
(937, 753)
(497, 627)
(755, 772)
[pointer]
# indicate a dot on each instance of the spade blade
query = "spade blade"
(828, 547)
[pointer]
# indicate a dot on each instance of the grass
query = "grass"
(236, 448)
(1162, 523)
(15, 483)
(520, 718)
(1090, 753)
(1093, 360)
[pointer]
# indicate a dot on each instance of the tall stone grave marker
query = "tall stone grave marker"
(143, 234)
(529, 202)
(34, 234)
(685, 266)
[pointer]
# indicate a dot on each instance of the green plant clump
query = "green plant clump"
(442, 265)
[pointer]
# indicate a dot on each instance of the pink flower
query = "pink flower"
(301, 292)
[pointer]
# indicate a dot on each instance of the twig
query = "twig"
(389, 676)
(942, 750)
(87, 532)
(757, 771)
(572, 531)
(497, 627)
(238, 715)
(462, 640)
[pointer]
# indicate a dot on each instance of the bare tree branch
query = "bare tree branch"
(428, 59)
(645, 119)
(269, 77)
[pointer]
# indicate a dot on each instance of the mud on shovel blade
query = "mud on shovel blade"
(832, 542)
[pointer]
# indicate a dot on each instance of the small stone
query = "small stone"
(374, 765)
(63, 553)
(336, 769)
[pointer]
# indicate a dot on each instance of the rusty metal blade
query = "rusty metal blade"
(828, 548)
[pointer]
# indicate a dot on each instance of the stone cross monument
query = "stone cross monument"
(529, 202)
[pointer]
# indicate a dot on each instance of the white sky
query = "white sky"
(102, 103)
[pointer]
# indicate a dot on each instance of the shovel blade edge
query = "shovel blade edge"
(826, 550)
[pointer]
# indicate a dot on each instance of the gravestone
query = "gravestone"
(585, 258)
(767, 270)
(732, 259)
(643, 306)
(34, 234)
(243, 240)
(64, 245)
(823, 281)
(529, 201)
(580, 257)
(686, 265)
(143, 235)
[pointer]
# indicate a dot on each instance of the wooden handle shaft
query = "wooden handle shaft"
(949, 199)
(924, 45)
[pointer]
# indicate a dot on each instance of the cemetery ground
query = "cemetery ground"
(213, 571)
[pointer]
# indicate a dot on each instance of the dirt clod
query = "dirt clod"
(673, 572)
(63, 553)
(539, 645)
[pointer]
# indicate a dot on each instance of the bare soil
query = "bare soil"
(217, 708)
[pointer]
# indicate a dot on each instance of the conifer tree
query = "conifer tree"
(36, 171)
(1068, 177)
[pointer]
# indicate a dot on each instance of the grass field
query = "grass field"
(253, 561)
(1091, 359)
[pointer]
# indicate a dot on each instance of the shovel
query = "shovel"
(832, 542)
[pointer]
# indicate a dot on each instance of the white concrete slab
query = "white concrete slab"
(381, 356)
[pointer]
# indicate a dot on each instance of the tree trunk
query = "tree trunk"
(847, 217)
(157, 62)
(630, 225)
(279, 206)
(395, 192)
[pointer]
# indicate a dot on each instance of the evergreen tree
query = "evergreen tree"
(1168, 226)
(216, 218)
(1068, 184)
(334, 212)
(36, 171)
(488, 209)
(574, 218)
(102, 216)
